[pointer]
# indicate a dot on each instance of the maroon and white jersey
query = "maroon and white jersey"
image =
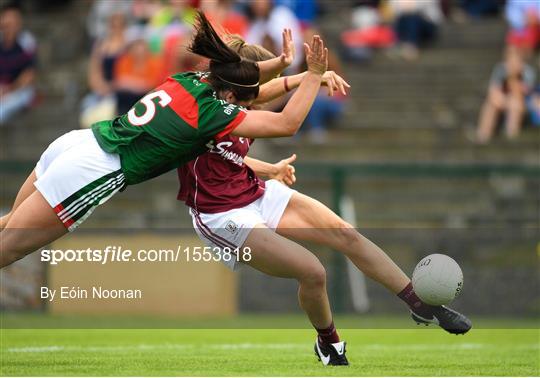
(219, 180)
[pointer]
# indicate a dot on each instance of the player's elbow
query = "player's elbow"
(291, 126)
(290, 131)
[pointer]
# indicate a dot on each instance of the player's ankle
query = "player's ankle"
(416, 305)
(328, 335)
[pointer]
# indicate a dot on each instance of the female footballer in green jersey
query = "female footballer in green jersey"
(165, 129)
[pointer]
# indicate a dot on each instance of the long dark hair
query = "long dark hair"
(228, 70)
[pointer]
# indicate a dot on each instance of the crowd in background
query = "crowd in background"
(136, 44)
(404, 27)
(512, 92)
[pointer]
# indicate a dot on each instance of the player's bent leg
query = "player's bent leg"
(31, 226)
(308, 219)
(277, 256)
(27, 188)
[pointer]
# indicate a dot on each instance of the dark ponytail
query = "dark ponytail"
(209, 44)
(228, 71)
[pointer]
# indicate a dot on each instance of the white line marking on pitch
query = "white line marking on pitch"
(120, 348)
(247, 346)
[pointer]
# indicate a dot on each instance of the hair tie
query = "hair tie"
(236, 84)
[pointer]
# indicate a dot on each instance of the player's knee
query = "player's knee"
(8, 253)
(315, 276)
(14, 246)
(346, 234)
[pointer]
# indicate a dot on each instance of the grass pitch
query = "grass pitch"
(265, 352)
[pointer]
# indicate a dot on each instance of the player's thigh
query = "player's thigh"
(307, 219)
(280, 257)
(32, 225)
(27, 188)
(57, 147)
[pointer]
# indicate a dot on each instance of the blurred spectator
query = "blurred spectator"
(368, 31)
(416, 22)
(101, 103)
(325, 109)
(168, 30)
(267, 27)
(172, 20)
(173, 11)
(480, 8)
(511, 81)
(175, 55)
(98, 23)
(533, 104)
(524, 19)
(105, 54)
(143, 10)
(305, 10)
(17, 64)
(136, 72)
(224, 17)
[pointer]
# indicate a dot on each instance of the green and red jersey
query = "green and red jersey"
(168, 127)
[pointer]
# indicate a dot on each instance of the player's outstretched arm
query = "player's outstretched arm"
(276, 88)
(263, 124)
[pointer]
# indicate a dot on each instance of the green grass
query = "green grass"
(256, 352)
(295, 320)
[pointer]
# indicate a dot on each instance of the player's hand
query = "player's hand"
(316, 56)
(289, 51)
(284, 171)
(334, 82)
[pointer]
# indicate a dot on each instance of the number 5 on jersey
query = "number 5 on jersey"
(150, 112)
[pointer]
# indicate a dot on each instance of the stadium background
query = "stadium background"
(402, 152)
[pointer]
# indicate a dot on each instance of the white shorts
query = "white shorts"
(75, 176)
(229, 230)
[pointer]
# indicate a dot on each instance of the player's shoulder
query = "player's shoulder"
(192, 80)
(196, 84)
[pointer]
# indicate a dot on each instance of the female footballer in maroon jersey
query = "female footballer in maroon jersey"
(164, 130)
(233, 210)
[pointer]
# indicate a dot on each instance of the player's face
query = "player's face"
(245, 104)
(231, 99)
